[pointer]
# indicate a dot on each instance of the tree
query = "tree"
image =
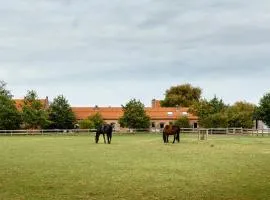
(96, 119)
(215, 120)
(263, 110)
(134, 115)
(182, 122)
(61, 115)
(33, 113)
(86, 124)
(211, 113)
(217, 105)
(241, 115)
(3, 90)
(181, 95)
(10, 117)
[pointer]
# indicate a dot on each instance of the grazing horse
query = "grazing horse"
(171, 130)
(105, 129)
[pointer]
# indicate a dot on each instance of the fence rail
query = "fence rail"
(210, 131)
(45, 131)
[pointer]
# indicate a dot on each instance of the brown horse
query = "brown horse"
(171, 130)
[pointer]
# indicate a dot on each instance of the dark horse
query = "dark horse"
(105, 129)
(171, 130)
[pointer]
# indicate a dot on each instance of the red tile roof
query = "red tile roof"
(156, 112)
(114, 113)
(19, 103)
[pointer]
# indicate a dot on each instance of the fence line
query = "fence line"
(45, 131)
(210, 131)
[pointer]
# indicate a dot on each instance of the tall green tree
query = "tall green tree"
(182, 122)
(215, 120)
(34, 114)
(241, 115)
(3, 90)
(217, 105)
(10, 117)
(181, 95)
(96, 119)
(61, 115)
(211, 113)
(134, 115)
(263, 110)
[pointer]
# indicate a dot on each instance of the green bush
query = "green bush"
(86, 124)
(182, 122)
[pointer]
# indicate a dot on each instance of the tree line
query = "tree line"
(213, 113)
(32, 114)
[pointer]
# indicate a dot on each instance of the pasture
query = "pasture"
(134, 167)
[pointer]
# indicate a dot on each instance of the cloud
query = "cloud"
(126, 44)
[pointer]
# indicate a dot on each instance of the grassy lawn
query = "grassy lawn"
(134, 167)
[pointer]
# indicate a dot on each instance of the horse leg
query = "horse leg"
(109, 138)
(167, 138)
(178, 137)
(174, 136)
(164, 137)
(97, 137)
(104, 138)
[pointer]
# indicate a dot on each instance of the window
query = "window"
(153, 125)
(184, 114)
(161, 125)
(170, 113)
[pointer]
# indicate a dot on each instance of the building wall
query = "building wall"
(159, 116)
(258, 124)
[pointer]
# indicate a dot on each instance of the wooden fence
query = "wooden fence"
(210, 131)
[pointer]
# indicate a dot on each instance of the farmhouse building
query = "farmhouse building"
(160, 116)
(20, 102)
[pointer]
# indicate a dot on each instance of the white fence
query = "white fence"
(210, 131)
(46, 132)
(228, 131)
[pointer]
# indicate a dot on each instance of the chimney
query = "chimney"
(46, 102)
(155, 103)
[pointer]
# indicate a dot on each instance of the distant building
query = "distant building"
(20, 102)
(258, 124)
(160, 116)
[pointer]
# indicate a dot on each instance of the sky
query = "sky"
(100, 52)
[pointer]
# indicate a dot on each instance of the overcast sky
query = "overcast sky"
(105, 52)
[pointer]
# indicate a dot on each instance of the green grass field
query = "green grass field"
(134, 167)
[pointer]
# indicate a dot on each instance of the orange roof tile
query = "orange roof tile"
(19, 103)
(114, 113)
